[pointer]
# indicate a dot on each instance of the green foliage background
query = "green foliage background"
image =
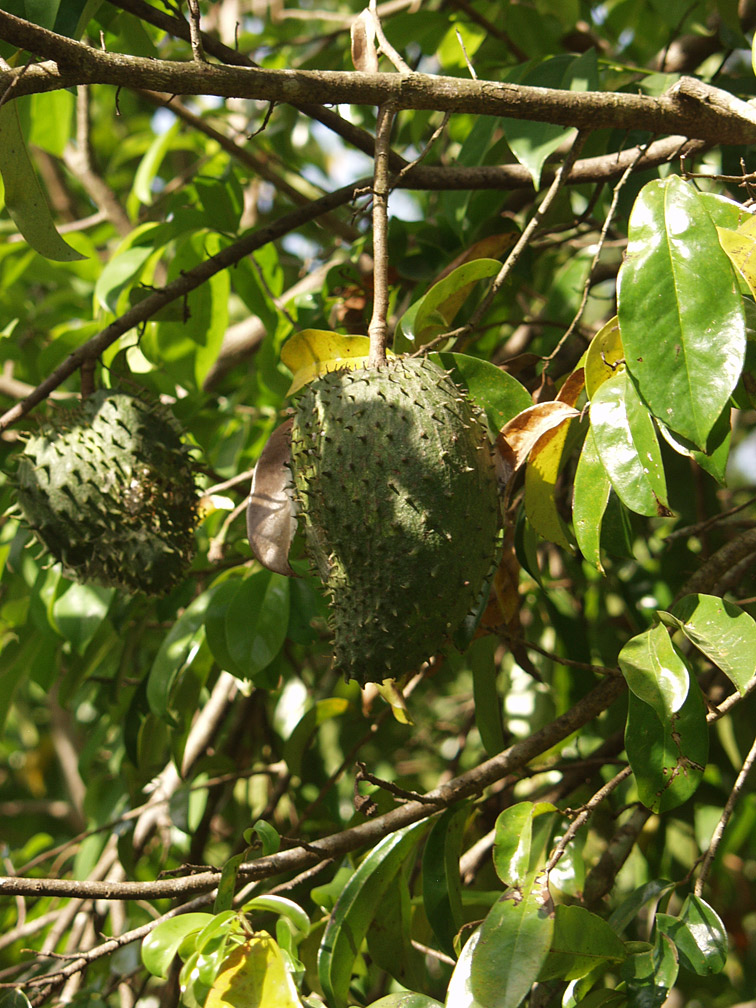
(185, 741)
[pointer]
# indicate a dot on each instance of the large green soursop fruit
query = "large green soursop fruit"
(395, 481)
(109, 490)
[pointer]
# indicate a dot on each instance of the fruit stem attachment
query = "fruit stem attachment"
(378, 328)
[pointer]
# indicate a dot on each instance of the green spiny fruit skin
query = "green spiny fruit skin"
(109, 490)
(396, 484)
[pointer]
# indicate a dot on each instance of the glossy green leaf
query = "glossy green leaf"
(650, 973)
(724, 632)
(24, 199)
(680, 311)
(162, 943)
(590, 498)
(582, 941)
(178, 650)
(459, 993)
(435, 311)
(441, 882)
(513, 944)
(256, 622)
(668, 759)
(626, 442)
(654, 671)
(356, 907)
(714, 459)
(512, 840)
(699, 935)
(498, 393)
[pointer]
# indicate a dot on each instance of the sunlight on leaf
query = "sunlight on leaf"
(254, 976)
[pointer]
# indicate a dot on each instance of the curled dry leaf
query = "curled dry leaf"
(517, 438)
(271, 513)
(364, 54)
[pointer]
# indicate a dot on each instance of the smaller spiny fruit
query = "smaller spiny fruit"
(395, 481)
(108, 488)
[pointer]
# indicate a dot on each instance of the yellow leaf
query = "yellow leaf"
(603, 357)
(740, 246)
(254, 976)
(311, 353)
(544, 463)
(395, 698)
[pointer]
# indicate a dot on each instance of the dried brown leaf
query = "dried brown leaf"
(271, 515)
(517, 438)
(364, 54)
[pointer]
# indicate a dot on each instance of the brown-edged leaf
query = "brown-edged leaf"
(271, 517)
(517, 438)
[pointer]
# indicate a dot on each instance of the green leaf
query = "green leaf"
(24, 198)
(297, 743)
(459, 993)
(605, 352)
(268, 835)
(442, 886)
(650, 973)
(676, 290)
(512, 840)
(356, 907)
(698, 934)
(498, 393)
(626, 442)
(649, 893)
(215, 624)
(17, 999)
(256, 622)
(582, 941)
(590, 498)
(406, 1000)
(655, 671)
(532, 142)
(162, 943)
(178, 650)
(433, 313)
(724, 632)
(668, 759)
(480, 657)
(150, 163)
(603, 999)
(388, 938)
(79, 611)
(513, 943)
(118, 274)
(280, 905)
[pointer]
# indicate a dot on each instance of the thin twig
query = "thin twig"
(518, 248)
(716, 837)
(386, 48)
(594, 262)
(378, 328)
(195, 33)
(585, 813)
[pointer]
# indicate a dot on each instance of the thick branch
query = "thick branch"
(469, 783)
(690, 108)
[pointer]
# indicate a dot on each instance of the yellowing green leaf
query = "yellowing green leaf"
(24, 198)
(541, 475)
(254, 976)
(603, 356)
(314, 352)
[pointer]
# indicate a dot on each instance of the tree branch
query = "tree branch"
(337, 844)
(690, 107)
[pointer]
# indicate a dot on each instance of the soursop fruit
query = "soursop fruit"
(395, 482)
(108, 488)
